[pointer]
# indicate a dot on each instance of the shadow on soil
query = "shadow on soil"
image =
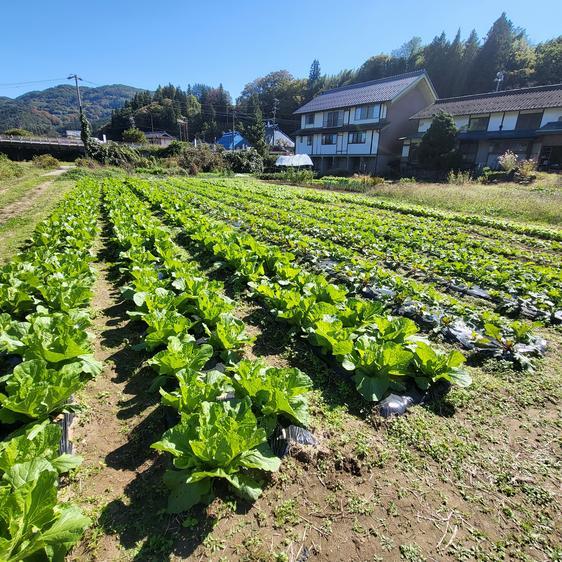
(139, 518)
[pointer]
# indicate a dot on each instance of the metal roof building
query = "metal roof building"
(522, 99)
(374, 91)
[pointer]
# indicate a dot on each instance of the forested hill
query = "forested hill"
(53, 110)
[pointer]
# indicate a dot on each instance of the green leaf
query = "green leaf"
(372, 388)
(184, 495)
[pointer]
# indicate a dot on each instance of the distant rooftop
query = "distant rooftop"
(537, 97)
(157, 135)
(274, 136)
(374, 91)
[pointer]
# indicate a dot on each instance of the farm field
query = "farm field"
(191, 319)
(537, 202)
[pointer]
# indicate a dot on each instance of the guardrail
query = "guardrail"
(41, 140)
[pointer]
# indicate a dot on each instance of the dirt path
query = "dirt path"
(113, 434)
(25, 202)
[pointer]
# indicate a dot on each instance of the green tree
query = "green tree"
(454, 63)
(134, 135)
(470, 50)
(314, 79)
(255, 133)
(520, 64)
(493, 56)
(436, 63)
(548, 65)
(411, 53)
(16, 132)
(281, 85)
(437, 147)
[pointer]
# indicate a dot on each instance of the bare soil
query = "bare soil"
(113, 434)
(23, 204)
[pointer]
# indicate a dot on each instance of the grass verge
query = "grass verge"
(539, 202)
(18, 228)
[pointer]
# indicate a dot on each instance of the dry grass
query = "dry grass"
(539, 202)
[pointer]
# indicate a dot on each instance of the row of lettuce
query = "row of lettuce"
(460, 321)
(225, 408)
(443, 216)
(381, 352)
(45, 357)
(505, 275)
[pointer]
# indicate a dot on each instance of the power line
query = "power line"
(16, 84)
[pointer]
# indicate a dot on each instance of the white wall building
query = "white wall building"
(357, 127)
(527, 121)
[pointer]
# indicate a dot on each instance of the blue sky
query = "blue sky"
(143, 43)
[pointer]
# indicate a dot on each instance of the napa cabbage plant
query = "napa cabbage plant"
(221, 441)
(378, 366)
(35, 390)
(274, 392)
(181, 353)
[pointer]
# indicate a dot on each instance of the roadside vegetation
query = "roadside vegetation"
(538, 202)
(27, 196)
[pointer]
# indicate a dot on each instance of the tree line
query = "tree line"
(456, 67)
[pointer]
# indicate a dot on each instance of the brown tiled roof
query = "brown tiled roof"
(537, 97)
(374, 91)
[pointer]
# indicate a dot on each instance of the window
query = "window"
(468, 150)
(309, 119)
(519, 147)
(309, 140)
(414, 149)
(333, 118)
(364, 112)
(357, 138)
(478, 123)
(328, 139)
(528, 121)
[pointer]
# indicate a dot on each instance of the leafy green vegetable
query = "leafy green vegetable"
(378, 366)
(38, 440)
(222, 440)
(34, 390)
(229, 335)
(181, 353)
(273, 391)
(194, 388)
(31, 522)
(431, 365)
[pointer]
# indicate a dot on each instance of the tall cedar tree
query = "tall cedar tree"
(436, 63)
(437, 146)
(313, 84)
(493, 56)
(470, 51)
(255, 133)
(454, 63)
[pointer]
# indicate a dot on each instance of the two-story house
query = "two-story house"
(527, 121)
(357, 127)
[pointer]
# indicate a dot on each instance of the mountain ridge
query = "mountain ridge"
(55, 109)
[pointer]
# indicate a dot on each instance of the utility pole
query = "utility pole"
(76, 78)
(233, 117)
(275, 108)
